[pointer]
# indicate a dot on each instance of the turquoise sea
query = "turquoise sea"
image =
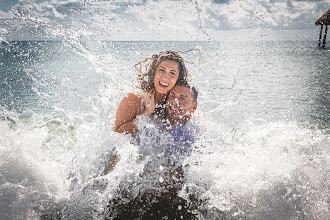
(264, 108)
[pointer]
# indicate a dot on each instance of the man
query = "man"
(181, 104)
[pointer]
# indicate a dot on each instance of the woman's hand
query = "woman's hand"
(149, 102)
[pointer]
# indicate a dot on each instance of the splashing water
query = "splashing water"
(263, 152)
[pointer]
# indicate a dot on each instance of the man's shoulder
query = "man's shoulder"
(187, 132)
(184, 138)
(188, 127)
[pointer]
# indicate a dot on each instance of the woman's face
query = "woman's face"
(166, 75)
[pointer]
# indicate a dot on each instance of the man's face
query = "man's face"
(180, 104)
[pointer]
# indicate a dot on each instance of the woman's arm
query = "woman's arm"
(129, 108)
(126, 114)
(111, 163)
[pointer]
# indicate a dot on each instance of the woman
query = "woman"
(165, 70)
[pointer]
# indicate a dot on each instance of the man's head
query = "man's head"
(181, 103)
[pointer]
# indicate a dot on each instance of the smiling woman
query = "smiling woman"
(166, 69)
(166, 75)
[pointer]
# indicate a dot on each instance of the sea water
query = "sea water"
(264, 108)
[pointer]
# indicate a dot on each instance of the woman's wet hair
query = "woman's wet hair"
(147, 79)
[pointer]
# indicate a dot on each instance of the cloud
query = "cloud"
(255, 14)
(221, 1)
(6, 5)
(158, 20)
(308, 0)
(166, 19)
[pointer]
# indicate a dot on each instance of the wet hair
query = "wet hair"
(147, 79)
(194, 92)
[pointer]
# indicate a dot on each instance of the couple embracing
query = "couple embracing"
(167, 97)
(168, 101)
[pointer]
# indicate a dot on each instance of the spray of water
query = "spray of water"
(253, 160)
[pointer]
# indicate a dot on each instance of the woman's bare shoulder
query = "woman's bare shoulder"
(127, 111)
(133, 97)
(131, 102)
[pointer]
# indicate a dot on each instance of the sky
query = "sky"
(161, 20)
